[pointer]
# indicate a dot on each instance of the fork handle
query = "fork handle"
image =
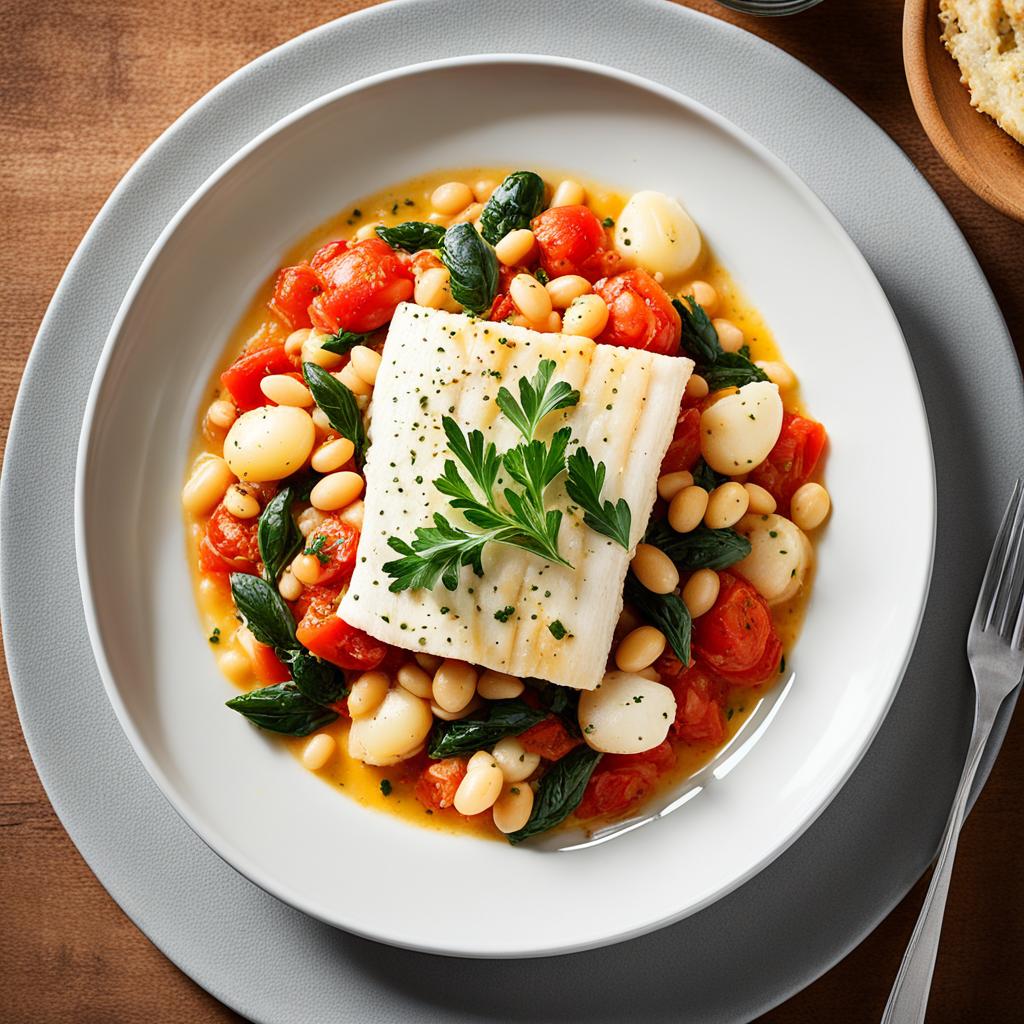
(908, 1000)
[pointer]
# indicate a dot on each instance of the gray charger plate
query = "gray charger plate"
(821, 897)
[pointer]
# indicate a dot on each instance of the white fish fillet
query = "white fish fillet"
(437, 364)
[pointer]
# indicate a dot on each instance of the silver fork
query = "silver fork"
(996, 656)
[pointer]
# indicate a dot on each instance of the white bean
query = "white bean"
(499, 686)
(516, 763)
(451, 197)
(586, 316)
(367, 694)
(318, 751)
(336, 490)
(513, 808)
(332, 455)
(656, 233)
(626, 714)
(454, 685)
(515, 247)
(639, 649)
(568, 193)
(269, 443)
(479, 789)
(566, 288)
(780, 556)
(366, 362)
(285, 390)
(211, 477)
(416, 681)
(397, 729)
(809, 506)
(531, 297)
(240, 503)
(739, 430)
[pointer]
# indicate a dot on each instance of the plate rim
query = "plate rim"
(215, 840)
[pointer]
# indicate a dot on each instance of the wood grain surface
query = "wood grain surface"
(85, 86)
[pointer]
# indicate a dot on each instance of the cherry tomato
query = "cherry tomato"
(267, 667)
(567, 237)
(324, 634)
(229, 544)
(295, 289)
(736, 639)
(622, 780)
(684, 448)
(550, 739)
(699, 698)
(336, 552)
(242, 378)
(362, 287)
(793, 459)
(436, 786)
(640, 314)
(326, 253)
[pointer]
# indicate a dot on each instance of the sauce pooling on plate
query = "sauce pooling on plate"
(502, 508)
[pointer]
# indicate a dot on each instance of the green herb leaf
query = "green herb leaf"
(318, 680)
(732, 370)
(666, 611)
(435, 554)
(703, 548)
(583, 485)
(339, 406)
(504, 614)
(505, 718)
(537, 398)
(386, 787)
(557, 630)
(473, 268)
(412, 236)
(560, 792)
(512, 205)
(480, 459)
(704, 476)
(700, 339)
(277, 535)
(282, 708)
(263, 610)
(343, 342)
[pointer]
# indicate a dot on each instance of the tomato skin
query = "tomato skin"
(242, 378)
(550, 739)
(621, 780)
(736, 639)
(229, 544)
(640, 313)
(362, 287)
(294, 290)
(792, 461)
(339, 548)
(267, 667)
(436, 786)
(323, 633)
(699, 699)
(684, 448)
(326, 253)
(567, 237)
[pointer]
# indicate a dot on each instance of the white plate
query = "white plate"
(247, 797)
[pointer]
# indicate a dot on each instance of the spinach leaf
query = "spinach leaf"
(412, 236)
(560, 792)
(473, 268)
(339, 405)
(264, 610)
(277, 535)
(700, 339)
(564, 702)
(513, 204)
(704, 476)
(702, 548)
(318, 680)
(343, 342)
(666, 611)
(282, 708)
(506, 718)
(732, 370)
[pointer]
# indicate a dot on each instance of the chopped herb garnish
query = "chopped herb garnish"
(557, 630)
(386, 787)
(504, 614)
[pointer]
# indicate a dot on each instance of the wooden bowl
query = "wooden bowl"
(983, 156)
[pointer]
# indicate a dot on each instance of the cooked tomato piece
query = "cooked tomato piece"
(684, 448)
(362, 287)
(424, 260)
(436, 786)
(568, 237)
(229, 544)
(324, 634)
(326, 253)
(699, 698)
(662, 757)
(502, 308)
(603, 263)
(336, 552)
(267, 666)
(550, 739)
(611, 792)
(792, 461)
(242, 378)
(640, 313)
(295, 289)
(736, 639)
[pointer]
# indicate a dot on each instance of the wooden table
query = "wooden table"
(86, 86)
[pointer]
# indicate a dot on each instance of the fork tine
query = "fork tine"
(985, 607)
(1009, 595)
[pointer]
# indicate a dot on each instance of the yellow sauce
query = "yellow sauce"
(395, 205)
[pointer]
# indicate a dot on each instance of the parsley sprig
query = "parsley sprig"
(514, 517)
